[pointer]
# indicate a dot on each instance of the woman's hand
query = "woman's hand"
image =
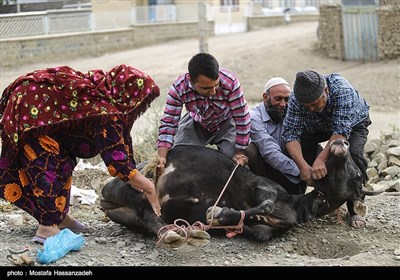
(152, 197)
(141, 183)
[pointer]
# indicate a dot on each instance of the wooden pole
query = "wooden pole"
(203, 26)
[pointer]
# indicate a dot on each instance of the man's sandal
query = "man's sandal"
(356, 221)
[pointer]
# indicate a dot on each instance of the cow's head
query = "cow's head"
(344, 180)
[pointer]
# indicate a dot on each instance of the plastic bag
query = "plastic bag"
(57, 246)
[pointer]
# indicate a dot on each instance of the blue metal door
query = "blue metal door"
(360, 24)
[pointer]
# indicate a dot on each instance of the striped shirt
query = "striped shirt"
(210, 112)
(344, 109)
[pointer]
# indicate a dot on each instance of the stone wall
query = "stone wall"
(388, 2)
(389, 29)
(330, 31)
(27, 50)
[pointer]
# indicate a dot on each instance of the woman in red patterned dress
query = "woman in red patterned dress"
(51, 117)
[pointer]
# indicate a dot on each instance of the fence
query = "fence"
(45, 23)
(164, 13)
(227, 19)
(69, 21)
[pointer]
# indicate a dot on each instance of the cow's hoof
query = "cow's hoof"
(173, 239)
(200, 234)
(261, 238)
(212, 214)
(267, 207)
(360, 208)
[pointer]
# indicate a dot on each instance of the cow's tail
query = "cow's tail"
(149, 170)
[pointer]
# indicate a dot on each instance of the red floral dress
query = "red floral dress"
(50, 117)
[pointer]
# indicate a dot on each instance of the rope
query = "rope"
(339, 217)
(185, 227)
(222, 192)
(232, 231)
(182, 229)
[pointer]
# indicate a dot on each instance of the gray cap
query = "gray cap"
(308, 86)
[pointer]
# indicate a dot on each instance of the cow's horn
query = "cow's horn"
(368, 192)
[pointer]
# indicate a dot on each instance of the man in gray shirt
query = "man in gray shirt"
(266, 153)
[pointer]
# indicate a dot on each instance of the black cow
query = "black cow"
(193, 180)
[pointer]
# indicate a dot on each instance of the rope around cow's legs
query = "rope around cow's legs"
(185, 227)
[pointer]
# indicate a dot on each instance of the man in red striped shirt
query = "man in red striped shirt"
(216, 111)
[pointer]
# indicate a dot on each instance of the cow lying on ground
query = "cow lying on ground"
(193, 180)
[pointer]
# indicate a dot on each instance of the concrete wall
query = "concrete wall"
(121, 13)
(46, 48)
(330, 31)
(261, 21)
(389, 29)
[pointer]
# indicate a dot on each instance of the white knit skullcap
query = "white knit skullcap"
(274, 82)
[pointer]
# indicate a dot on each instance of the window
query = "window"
(229, 2)
(229, 5)
(288, 3)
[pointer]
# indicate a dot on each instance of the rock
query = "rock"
(393, 151)
(392, 171)
(15, 220)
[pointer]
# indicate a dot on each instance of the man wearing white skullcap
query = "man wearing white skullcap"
(267, 154)
(274, 82)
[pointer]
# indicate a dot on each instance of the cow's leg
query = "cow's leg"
(125, 216)
(228, 216)
(128, 207)
(265, 196)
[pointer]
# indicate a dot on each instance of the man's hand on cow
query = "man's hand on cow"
(240, 158)
(306, 175)
(319, 169)
(161, 165)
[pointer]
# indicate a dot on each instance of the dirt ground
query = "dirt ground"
(255, 57)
